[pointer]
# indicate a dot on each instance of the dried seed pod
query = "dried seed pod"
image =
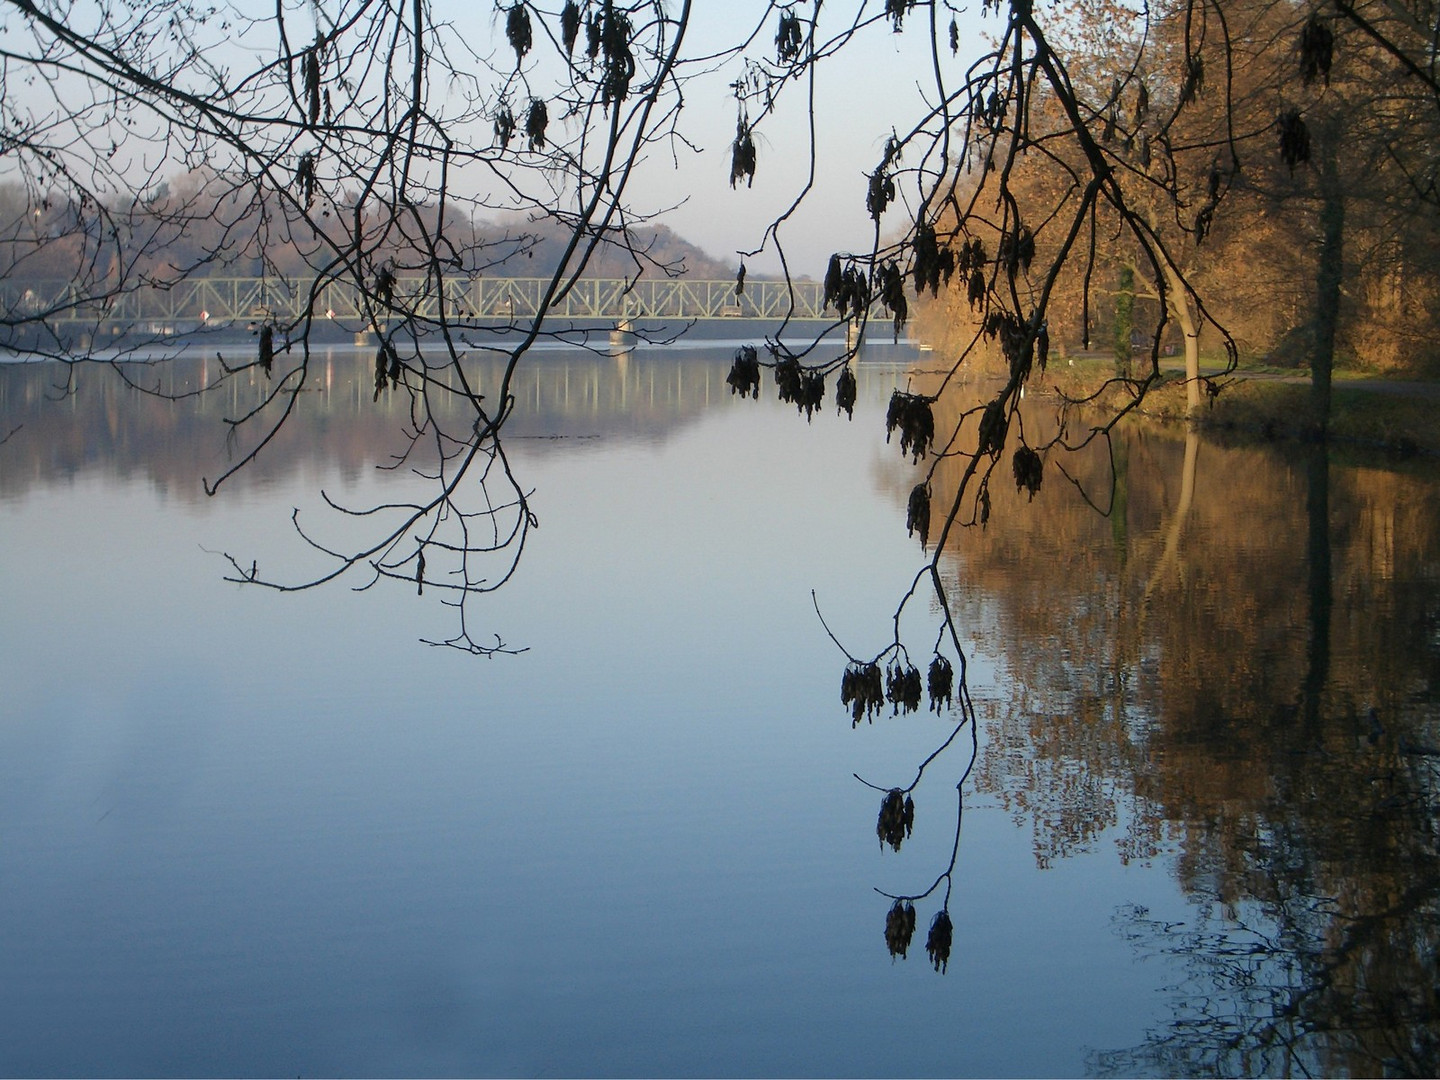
(954, 37)
(742, 155)
(845, 392)
(811, 393)
(1029, 470)
(880, 192)
(993, 427)
(740, 280)
(1317, 50)
(592, 35)
(504, 126)
(834, 281)
(892, 294)
(517, 31)
(911, 414)
(570, 25)
(903, 688)
(619, 66)
(311, 66)
(1294, 139)
(381, 364)
(925, 270)
(787, 380)
(267, 347)
(1194, 84)
(420, 572)
(395, 369)
(536, 121)
(788, 38)
(305, 178)
(897, 819)
(977, 286)
(896, 9)
(917, 513)
(940, 682)
(938, 942)
(384, 287)
(744, 377)
(899, 928)
(862, 690)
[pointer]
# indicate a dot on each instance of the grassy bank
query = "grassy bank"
(1400, 418)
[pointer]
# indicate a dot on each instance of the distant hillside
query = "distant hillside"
(657, 252)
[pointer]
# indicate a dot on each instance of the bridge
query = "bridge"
(214, 302)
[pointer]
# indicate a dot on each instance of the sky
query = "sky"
(872, 87)
(863, 93)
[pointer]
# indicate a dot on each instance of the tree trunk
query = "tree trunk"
(1328, 277)
(1178, 299)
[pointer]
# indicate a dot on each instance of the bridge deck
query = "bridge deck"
(223, 301)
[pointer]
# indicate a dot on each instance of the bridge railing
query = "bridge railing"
(227, 300)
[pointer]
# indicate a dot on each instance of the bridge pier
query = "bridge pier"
(622, 336)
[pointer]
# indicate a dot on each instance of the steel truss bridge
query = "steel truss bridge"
(214, 302)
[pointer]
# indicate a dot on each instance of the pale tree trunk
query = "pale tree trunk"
(1183, 309)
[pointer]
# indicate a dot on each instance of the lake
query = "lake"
(258, 833)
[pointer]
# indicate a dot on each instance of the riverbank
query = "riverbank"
(1388, 415)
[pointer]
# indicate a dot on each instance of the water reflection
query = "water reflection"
(1237, 668)
(79, 418)
(1231, 678)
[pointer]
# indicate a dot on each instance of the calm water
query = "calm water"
(261, 834)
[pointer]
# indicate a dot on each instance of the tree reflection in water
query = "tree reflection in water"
(1239, 668)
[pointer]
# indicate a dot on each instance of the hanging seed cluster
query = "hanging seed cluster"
(897, 819)
(518, 31)
(896, 9)
(970, 264)
(788, 38)
(892, 294)
(570, 25)
(788, 374)
(1015, 341)
(917, 513)
(1029, 470)
(305, 178)
(1017, 250)
(903, 687)
(744, 377)
(387, 368)
(899, 928)
(1317, 50)
(537, 119)
(619, 62)
(993, 427)
(504, 126)
(267, 347)
(862, 690)
(940, 682)
(845, 393)
(846, 289)
(1194, 84)
(384, 286)
(310, 66)
(742, 155)
(937, 943)
(911, 414)
(933, 264)
(1294, 139)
